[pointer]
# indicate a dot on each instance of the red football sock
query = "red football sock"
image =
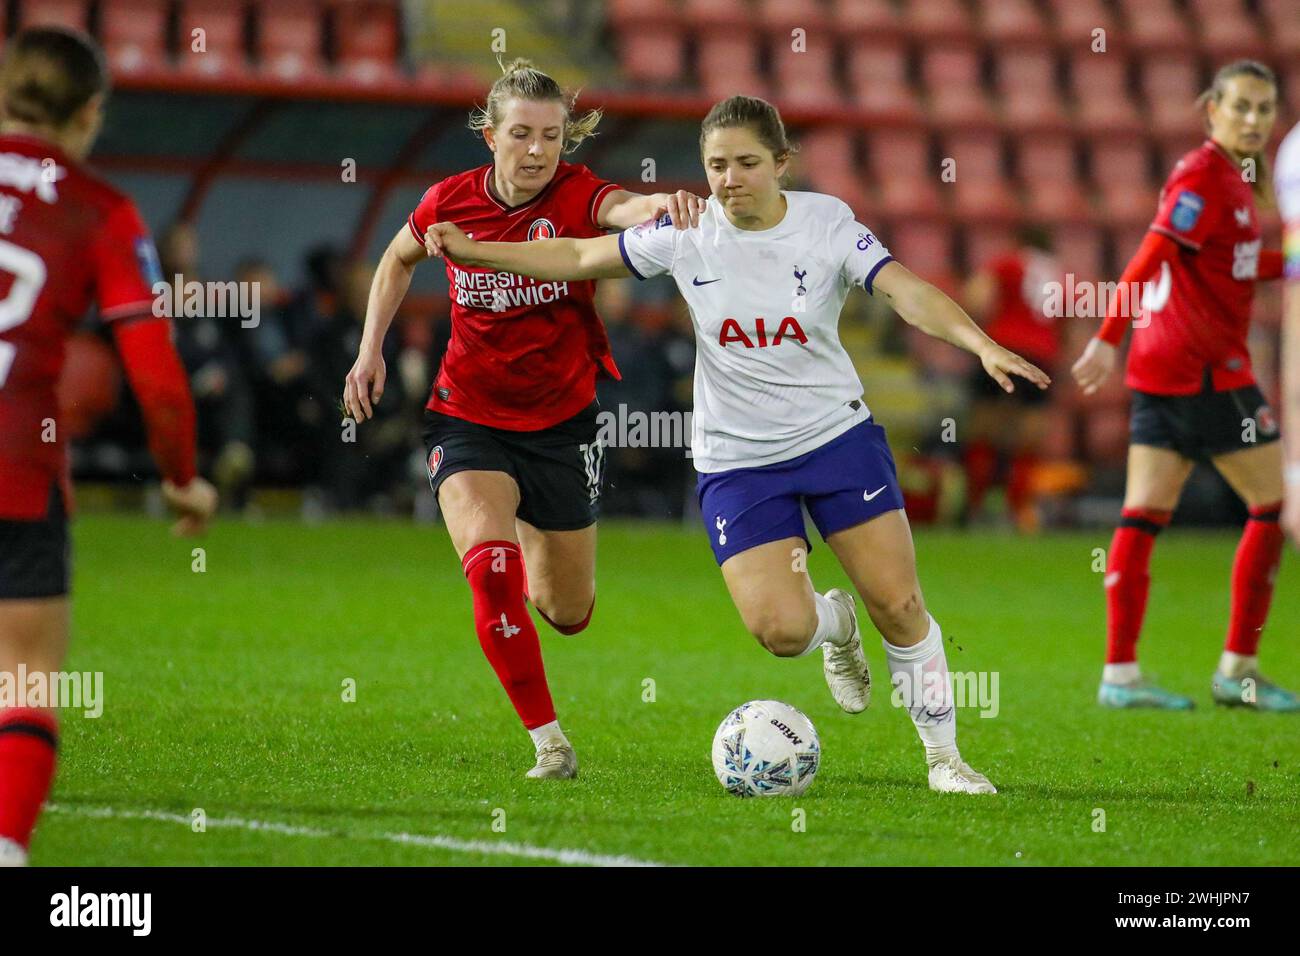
(1128, 580)
(495, 573)
(1253, 571)
(28, 741)
(1020, 487)
(981, 463)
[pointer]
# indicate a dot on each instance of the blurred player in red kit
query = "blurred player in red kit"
(511, 436)
(67, 238)
(1194, 394)
(1006, 431)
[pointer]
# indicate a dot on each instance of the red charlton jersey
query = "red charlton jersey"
(524, 353)
(66, 239)
(1197, 311)
(1019, 321)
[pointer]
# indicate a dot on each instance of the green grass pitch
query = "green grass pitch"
(223, 690)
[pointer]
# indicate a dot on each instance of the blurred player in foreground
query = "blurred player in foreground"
(510, 431)
(1194, 394)
(66, 237)
(779, 419)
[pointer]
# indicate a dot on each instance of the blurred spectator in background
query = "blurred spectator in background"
(1005, 432)
(644, 408)
(208, 345)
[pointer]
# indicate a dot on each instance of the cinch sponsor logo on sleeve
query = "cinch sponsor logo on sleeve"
(1187, 209)
(74, 908)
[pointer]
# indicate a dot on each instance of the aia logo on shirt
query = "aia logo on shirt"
(541, 229)
(732, 333)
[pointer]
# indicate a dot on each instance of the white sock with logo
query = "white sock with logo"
(834, 624)
(921, 685)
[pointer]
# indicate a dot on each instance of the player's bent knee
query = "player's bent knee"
(783, 637)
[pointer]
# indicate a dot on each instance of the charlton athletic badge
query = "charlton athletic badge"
(435, 459)
(541, 229)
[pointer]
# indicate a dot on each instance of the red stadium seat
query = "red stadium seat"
(926, 249)
(929, 20)
(1053, 192)
(901, 164)
(222, 23)
(878, 79)
(56, 13)
(1120, 170)
(1228, 30)
(1282, 24)
(728, 65)
(1080, 249)
(1012, 21)
(1103, 104)
(652, 54)
(368, 39)
(806, 78)
(984, 242)
(714, 17)
(624, 14)
(952, 80)
(1076, 20)
(827, 159)
(1171, 84)
(1156, 26)
(865, 20)
(980, 191)
(290, 39)
(779, 17)
(134, 33)
(1026, 83)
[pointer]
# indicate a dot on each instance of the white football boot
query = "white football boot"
(11, 854)
(845, 665)
(556, 760)
(954, 775)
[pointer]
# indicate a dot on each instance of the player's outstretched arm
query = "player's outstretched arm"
(560, 259)
(623, 210)
(364, 385)
(922, 305)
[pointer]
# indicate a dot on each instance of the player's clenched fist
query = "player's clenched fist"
(444, 239)
(364, 385)
(1094, 365)
(195, 502)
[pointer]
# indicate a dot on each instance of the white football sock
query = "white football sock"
(921, 684)
(834, 625)
(1126, 673)
(11, 853)
(546, 732)
(1238, 665)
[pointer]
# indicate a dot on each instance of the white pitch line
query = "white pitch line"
(486, 847)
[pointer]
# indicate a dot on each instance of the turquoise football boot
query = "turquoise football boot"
(1140, 693)
(1253, 690)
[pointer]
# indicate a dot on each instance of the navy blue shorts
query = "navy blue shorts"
(849, 480)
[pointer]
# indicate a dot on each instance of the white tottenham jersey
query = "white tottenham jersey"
(772, 381)
(1286, 178)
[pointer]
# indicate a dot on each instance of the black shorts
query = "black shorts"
(559, 469)
(1204, 425)
(984, 388)
(35, 556)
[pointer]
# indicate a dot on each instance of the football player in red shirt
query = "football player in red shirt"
(1006, 431)
(1194, 394)
(510, 427)
(66, 237)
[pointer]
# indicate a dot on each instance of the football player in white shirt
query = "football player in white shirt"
(779, 418)
(1286, 180)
